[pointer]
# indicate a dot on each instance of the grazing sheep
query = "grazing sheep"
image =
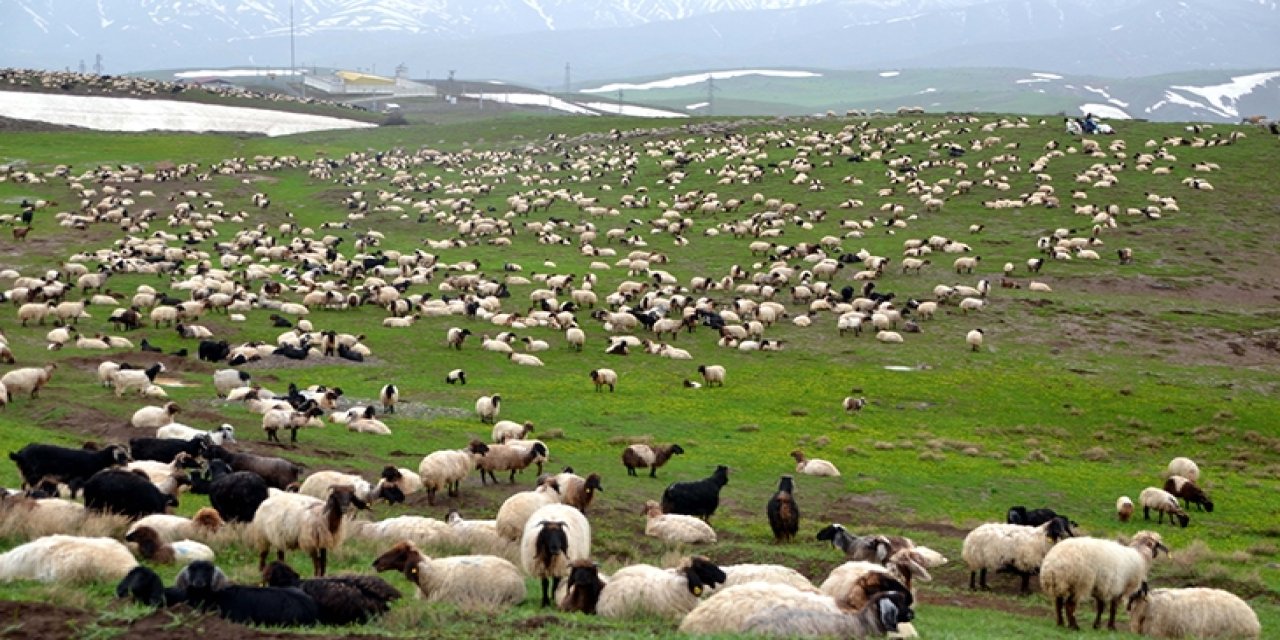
(582, 588)
(575, 337)
(1191, 613)
(287, 521)
(1164, 503)
(487, 407)
(1014, 547)
(127, 380)
(814, 466)
(639, 456)
(1124, 508)
(554, 536)
(127, 493)
(204, 523)
(208, 589)
(1183, 488)
(851, 405)
(712, 375)
(602, 377)
(516, 510)
(667, 593)
(1103, 569)
(675, 528)
(341, 600)
(72, 467)
(278, 473)
(974, 339)
(698, 498)
(783, 513)
(67, 560)
(154, 549)
(1185, 467)
(28, 380)
(506, 457)
(446, 469)
(780, 610)
(504, 430)
(481, 582)
(457, 376)
(154, 417)
(276, 419)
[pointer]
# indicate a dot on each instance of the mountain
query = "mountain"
(530, 41)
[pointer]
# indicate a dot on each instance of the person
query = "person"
(1090, 125)
(1073, 126)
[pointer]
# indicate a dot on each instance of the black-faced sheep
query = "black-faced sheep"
(783, 513)
(604, 377)
(208, 589)
(639, 456)
(389, 395)
(446, 469)
(698, 498)
(712, 375)
(487, 407)
(503, 457)
(1164, 503)
(28, 380)
(576, 491)
(290, 521)
(669, 593)
(72, 467)
(236, 496)
(342, 600)
(583, 588)
(1014, 547)
(554, 536)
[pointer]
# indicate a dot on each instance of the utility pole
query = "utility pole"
(292, 66)
(711, 95)
(97, 64)
(566, 78)
(619, 101)
(82, 66)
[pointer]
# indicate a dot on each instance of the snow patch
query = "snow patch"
(533, 99)
(697, 105)
(890, 74)
(928, 90)
(1048, 76)
(1030, 80)
(1176, 98)
(631, 110)
(130, 114)
(1117, 27)
(1105, 111)
(1223, 97)
(1103, 93)
(235, 73)
(697, 78)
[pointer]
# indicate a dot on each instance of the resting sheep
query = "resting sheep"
(155, 549)
(203, 524)
(208, 589)
(67, 559)
(1185, 467)
(783, 611)
(341, 600)
(154, 417)
(675, 528)
(815, 466)
(1191, 613)
(481, 583)
(1102, 569)
(668, 593)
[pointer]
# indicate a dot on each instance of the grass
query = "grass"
(1079, 396)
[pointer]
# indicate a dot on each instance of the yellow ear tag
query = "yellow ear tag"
(697, 591)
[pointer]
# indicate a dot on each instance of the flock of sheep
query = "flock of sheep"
(231, 264)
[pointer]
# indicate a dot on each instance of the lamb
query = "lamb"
(224, 380)
(815, 466)
(487, 407)
(28, 380)
(457, 376)
(389, 395)
(479, 582)
(781, 610)
(203, 524)
(224, 434)
(341, 600)
(286, 521)
(154, 417)
(276, 419)
(1124, 508)
(668, 593)
(276, 472)
(506, 457)
(154, 549)
(1104, 569)
(145, 587)
(712, 375)
(699, 498)
(127, 493)
(72, 467)
(639, 456)
(318, 484)
(1183, 488)
(675, 528)
(974, 339)
(1163, 502)
(554, 536)
(1185, 467)
(1016, 547)
(504, 430)
(889, 337)
(516, 510)
(576, 491)
(68, 560)
(207, 588)
(1191, 613)
(446, 469)
(583, 588)
(127, 380)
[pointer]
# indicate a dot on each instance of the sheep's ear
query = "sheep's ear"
(220, 580)
(1155, 551)
(888, 614)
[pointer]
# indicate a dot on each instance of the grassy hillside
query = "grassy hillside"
(1078, 396)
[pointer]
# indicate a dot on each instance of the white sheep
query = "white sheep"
(643, 589)
(224, 380)
(1194, 612)
(712, 375)
(369, 425)
(481, 582)
(554, 536)
(525, 359)
(575, 337)
(203, 524)
(889, 337)
(67, 559)
(516, 509)
(480, 536)
(1185, 467)
(974, 339)
(603, 378)
(287, 521)
(487, 407)
(40, 517)
(138, 380)
(674, 528)
(318, 484)
(27, 380)
(1124, 508)
(424, 532)
(1102, 569)
(814, 466)
(736, 574)
(972, 304)
(224, 434)
(780, 610)
(1164, 503)
(446, 469)
(504, 430)
(997, 546)
(154, 417)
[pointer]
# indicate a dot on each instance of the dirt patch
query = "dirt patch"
(40, 621)
(1025, 606)
(281, 362)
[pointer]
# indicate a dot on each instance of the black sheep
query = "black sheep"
(342, 600)
(784, 515)
(346, 353)
(698, 498)
(1190, 493)
(166, 449)
(202, 480)
(146, 346)
(70, 466)
(208, 589)
(211, 351)
(1035, 517)
(237, 496)
(144, 586)
(299, 352)
(277, 472)
(584, 585)
(127, 493)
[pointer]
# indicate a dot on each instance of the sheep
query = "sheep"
(851, 405)
(166, 450)
(554, 536)
(1163, 502)
(504, 430)
(34, 517)
(1035, 517)
(28, 380)
(1195, 612)
(207, 588)
(287, 521)
(712, 375)
(582, 588)
(487, 407)
(667, 593)
(1015, 547)
(886, 613)
(675, 528)
(814, 466)
(1104, 569)
(889, 337)
(1185, 467)
(575, 337)
(1183, 488)
(783, 513)
(456, 376)
(784, 611)
(1124, 508)
(278, 473)
(145, 587)
(971, 304)
(318, 484)
(478, 582)
(966, 264)
(276, 419)
(224, 380)
(974, 339)
(340, 600)
(72, 467)
(576, 491)
(127, 493)
(389, 395)
(875, 548)
(68, 560)
(504, 457)
(516, 509)
(127, 380)
(525, 359)
(154, 417)
(446, 469)
(224, 434)
(698, 498)
(369, 425)
(852, 584)
(735, 574)
(419, 530)
(602, 377)
(237, 496)
(639, 456)
(164, 313)
(154, 549)
(204, 523)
